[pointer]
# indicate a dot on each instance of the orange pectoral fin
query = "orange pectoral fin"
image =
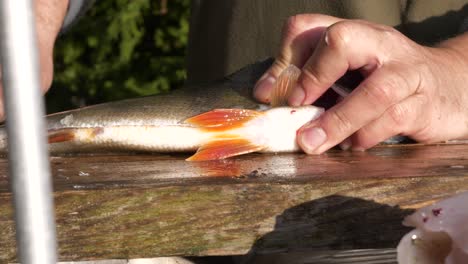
(221, 149)
(61, 135)
(69, 134)
(284, 86)
(221, 119)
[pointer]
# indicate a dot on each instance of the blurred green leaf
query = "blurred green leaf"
(120, 49)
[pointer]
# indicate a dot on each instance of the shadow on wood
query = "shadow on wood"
(330, 223)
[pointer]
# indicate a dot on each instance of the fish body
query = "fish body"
(217, 120)
(215, 134)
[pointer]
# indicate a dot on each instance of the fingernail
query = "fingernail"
(346, 144)
(262, 89)
(312, 138)
(297, 96)
(358, 148)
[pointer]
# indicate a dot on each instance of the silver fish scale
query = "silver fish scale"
(166, 109)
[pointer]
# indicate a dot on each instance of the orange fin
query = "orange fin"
(221, 149)
(69, 134)
(61, 135)
(221, 119)
(284, 86)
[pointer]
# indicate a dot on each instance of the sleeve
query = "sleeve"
(76, 9)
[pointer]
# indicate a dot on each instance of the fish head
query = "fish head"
(277, 128)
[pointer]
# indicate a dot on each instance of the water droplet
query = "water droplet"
(83, 174)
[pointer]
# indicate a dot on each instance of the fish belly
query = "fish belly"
(134, 138)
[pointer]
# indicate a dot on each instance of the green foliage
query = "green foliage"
(120, 49)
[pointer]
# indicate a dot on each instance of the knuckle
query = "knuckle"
(293, 26)
(389, 32)
(380, 94)
(313, 77)
(341, 122)
(384, 92)
(280, 63)
(339, 34)
(399, 116)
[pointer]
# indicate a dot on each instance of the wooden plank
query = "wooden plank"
(131, 206)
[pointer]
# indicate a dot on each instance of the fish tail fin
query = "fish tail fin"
(70, 134)
(284, 86)
(224, 144)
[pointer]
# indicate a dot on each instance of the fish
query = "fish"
(216, 120)
(440, 234)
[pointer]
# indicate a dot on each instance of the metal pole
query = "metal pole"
(28, 156)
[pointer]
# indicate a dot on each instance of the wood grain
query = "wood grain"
(130, 206)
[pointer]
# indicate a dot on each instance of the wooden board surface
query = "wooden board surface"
(130, 206)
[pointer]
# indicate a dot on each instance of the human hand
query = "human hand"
(408, 89)
(49, 18)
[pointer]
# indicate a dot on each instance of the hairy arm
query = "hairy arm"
(49, 19)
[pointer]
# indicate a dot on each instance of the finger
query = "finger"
(346, 45)
(384, 88)
(402, 118)
(301, 33)
(346, 144)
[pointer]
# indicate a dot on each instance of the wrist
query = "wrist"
(455, 69)
(457, 45)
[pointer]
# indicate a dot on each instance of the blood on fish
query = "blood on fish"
(293, 111)
(425, 219)
(437, 211)
(97, 131)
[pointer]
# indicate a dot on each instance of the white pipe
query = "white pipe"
(28, 156)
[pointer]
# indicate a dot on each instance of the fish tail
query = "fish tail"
(226, 143)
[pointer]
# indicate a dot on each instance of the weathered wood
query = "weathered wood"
(130, 206)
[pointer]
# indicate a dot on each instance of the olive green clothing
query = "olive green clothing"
(228, 34)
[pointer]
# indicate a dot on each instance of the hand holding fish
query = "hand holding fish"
(408, 89)
(49, 19)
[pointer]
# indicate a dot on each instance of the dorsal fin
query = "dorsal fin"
(284, 86)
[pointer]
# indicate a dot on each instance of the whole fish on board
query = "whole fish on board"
(216, 120)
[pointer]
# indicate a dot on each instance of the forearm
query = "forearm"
(49, 20)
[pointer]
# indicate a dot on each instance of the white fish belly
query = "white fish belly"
(138, 138)
(277, 130)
